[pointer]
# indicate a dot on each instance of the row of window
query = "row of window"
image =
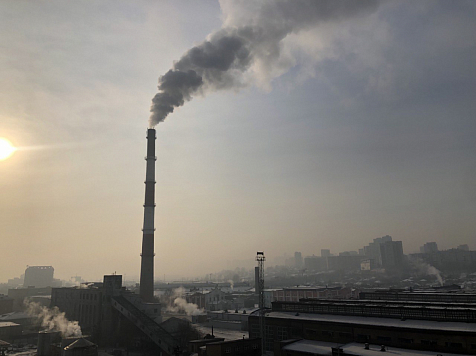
(389, 311)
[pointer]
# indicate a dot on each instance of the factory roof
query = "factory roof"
(325, 348)
(379, 322)
(79, 344)
(14, 316)
(374, 350)
(6, 324)
(313, 347)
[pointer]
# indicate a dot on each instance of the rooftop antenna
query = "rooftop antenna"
(260, 259)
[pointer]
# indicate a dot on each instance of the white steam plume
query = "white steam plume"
(425, 268)
(53, 319)
(181, 305)
(249, 45)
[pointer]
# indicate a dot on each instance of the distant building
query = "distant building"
(344, 263)
(333, 263)
(6, 304)
(429, 247)
(391, 254)
(348, 253)
(19, 294)
(298, 293)
(464, 247)
(367, 265)
(325, 253)
(39, 276)
(373, 251)
(448, 260)
(315, 263)
(298, 261)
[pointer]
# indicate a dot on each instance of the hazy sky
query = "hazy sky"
(351, 128)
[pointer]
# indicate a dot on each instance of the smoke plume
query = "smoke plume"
(247, 47)
(53, 319)
(180, 305)
(427, 269)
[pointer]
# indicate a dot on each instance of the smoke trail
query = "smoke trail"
(181, 305)
(53, 319)
(248, 45)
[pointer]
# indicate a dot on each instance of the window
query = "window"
(455, 345)
(362, 337)
(405, 341)
(384, 338)
(228, 350)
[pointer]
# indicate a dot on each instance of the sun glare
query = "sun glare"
(6, 149)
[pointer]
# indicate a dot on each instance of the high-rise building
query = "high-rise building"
(373, 251)
(39, 276)
(391, 254)
(429, 247)
(298, 262)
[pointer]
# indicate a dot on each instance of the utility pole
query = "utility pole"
(260, 259)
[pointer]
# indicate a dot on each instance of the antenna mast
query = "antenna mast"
(260, 258)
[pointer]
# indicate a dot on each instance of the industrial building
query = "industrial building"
(37, 294)
(6, 304)
(408, 325)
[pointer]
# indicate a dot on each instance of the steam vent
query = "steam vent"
(147, 256)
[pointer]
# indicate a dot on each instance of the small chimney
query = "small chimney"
(383, 348)
(367, 346)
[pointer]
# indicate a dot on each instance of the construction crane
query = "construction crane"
(260, 259)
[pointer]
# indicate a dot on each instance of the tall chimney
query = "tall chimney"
(147, 256)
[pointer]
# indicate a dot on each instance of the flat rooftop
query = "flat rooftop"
(325, 348)
(373, 321)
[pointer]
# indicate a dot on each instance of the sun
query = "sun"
(6, 149)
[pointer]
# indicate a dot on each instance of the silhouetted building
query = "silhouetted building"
(391, 254)
(298, 261)
(39, 276)
(315, 263)
(373, 250)
(344, 263)
(6, 304)
(325, 253)
(19, 294)
(429, 247)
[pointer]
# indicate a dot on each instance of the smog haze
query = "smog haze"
(301, 128)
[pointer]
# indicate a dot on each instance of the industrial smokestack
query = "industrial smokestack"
(147, 256)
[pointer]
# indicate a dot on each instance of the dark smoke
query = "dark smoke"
(251, 31)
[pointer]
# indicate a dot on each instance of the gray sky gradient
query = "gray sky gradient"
(364, 127)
